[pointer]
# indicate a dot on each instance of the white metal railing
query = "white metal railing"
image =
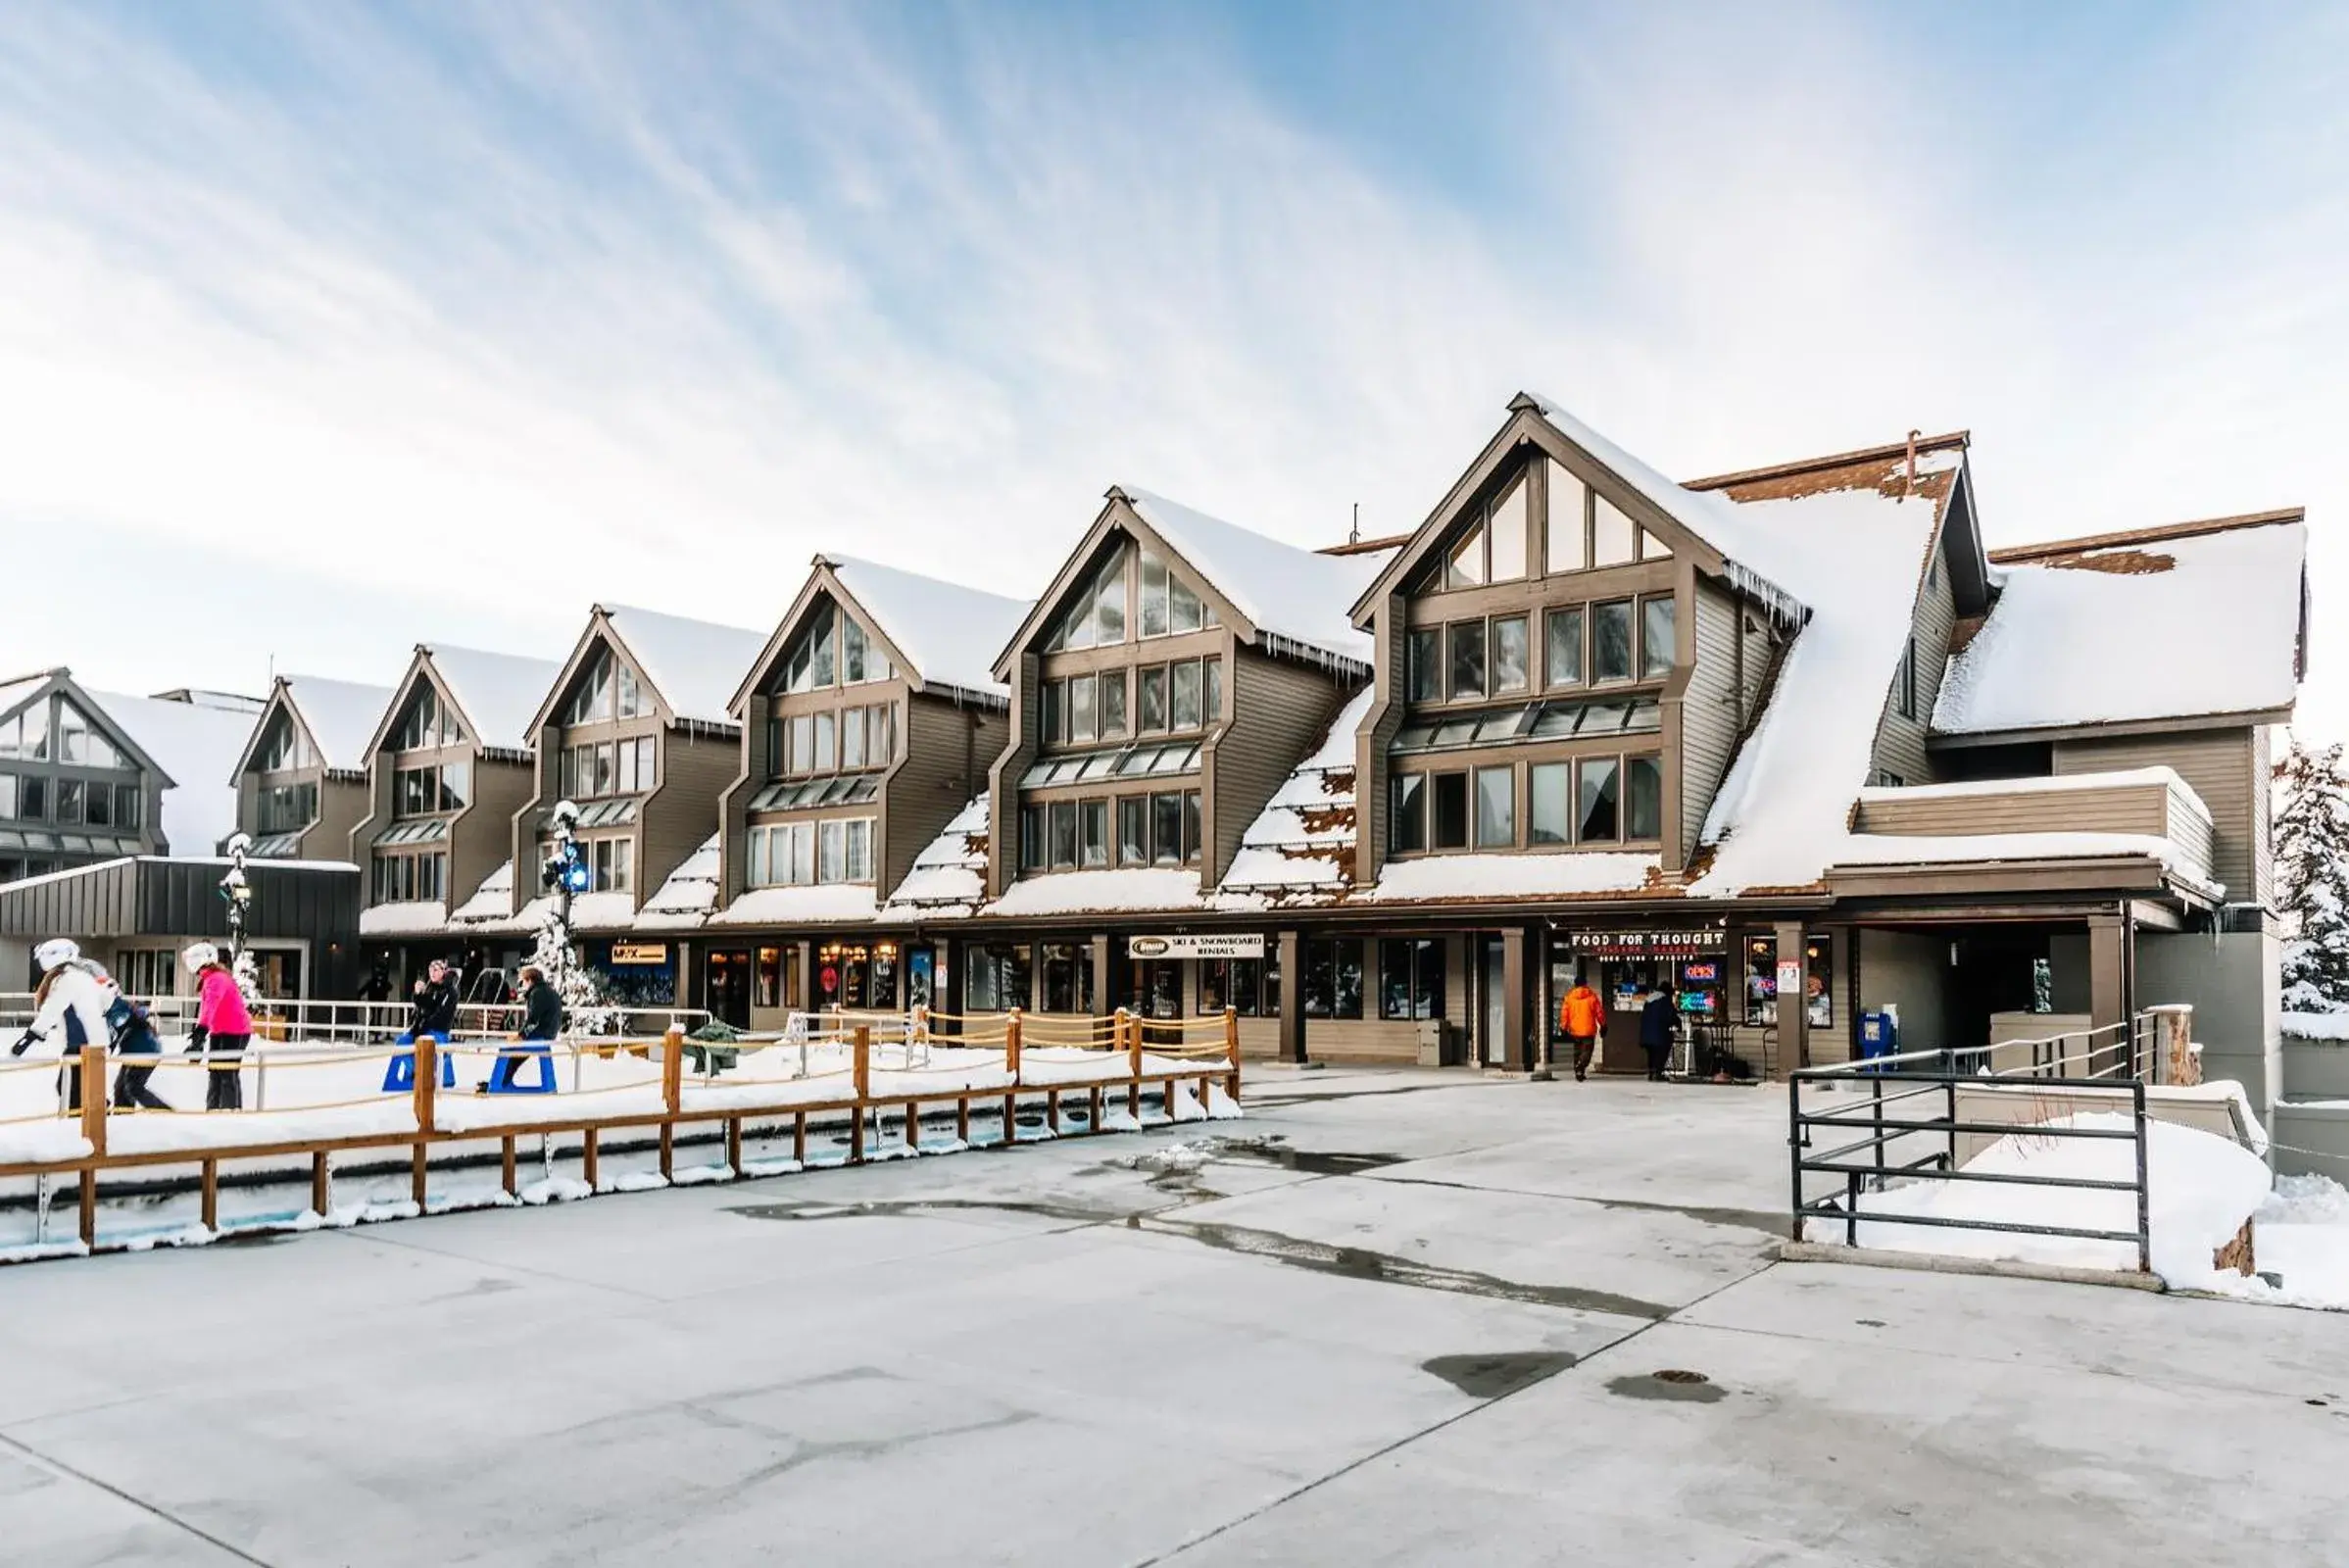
(315, 1020)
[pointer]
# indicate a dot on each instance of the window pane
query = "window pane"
(1510, 655)
(1133, 831)
(823, 759)
(1427, 984)
(1656, 649)
(1186, 695)
(1394, 979)
(1424, 660)
(1064, 834)
(1467, 658)
(820, 650)
(1611, 640)
(832, 857)
(860, 850)
(802, 755)
(1451, 811)
(1506, 532)
(1568, 547)
(802, 852)
(852, 737)
(1153, 595)
(1051, 697)
(1080, 709)
(1597, 811)
(1464, 567)
(1653, 549)
(1547, 787)
(1211, 703)
(1191, 837)
(758, 858)
(1166, 829)
(1495, 808)
(1109, 602)
(1150, 688)
(1031, 838)
(1112, 702)
(1611, 534)
(1093, 832)
(1565, 667)
(1185, 613)
(1408, 823)
(851, 652)
(1644, 804)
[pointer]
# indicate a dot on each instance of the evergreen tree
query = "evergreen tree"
(586, 1009)
(2312, 877)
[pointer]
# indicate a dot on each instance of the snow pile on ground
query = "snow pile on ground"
(2200, 1190)
(2300, 1236)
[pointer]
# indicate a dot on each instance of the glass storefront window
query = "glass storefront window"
(1410, 978)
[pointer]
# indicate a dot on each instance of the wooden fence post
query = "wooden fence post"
(1231, 1049)
(427, 1080)
(1011, 1065)
(672, 1093)
(860, 1074)
(93, 1067)
(1132, 1031)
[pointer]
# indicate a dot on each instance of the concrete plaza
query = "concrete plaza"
(1389, 1318)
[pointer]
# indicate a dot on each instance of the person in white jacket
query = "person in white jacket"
(69, 1009)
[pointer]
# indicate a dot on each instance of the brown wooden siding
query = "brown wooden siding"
(1901, 741)
(483, 838)
(343, 803)
(1709, 709)
(678, 817)
(1020, 750)
(948, 749)
(1278, 710)
(1385, 716)
(2221, 767)
(2148, 808)
(2263, 826)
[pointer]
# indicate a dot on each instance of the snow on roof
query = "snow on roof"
(1975, 848)
(826, 904)
(341, 715)
(2104, 636)
(2331, 1027)
(1089, 892)
(199, 748)
(493, 900)
(1436, 877)
(1967, 789)
(1304, 837)
(685, 900)
(15, 691)
(948, 877)
(1288, 592)
(1854, 556)
(405, 919)
(949, 633)
(695, 664)
(500, 693)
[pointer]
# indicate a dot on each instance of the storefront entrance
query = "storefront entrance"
(726, 984)
(1627, 966)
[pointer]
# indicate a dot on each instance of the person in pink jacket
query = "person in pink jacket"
(224, 1026)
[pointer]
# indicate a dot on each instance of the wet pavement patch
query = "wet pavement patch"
(1071, 1213)
(1492, 1376)
(1692, 1388)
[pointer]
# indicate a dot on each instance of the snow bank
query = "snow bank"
(2200, 1191)
(2331, 1027)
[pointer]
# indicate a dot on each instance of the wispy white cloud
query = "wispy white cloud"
(509, 308)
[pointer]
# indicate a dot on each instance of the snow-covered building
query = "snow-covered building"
(449, 761)
(76, 786)
(302, 781)
(868, 721)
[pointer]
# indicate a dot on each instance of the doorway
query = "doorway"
(726, 984)
(1492, 1003)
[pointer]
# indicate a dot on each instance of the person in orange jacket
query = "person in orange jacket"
(1579, 1018)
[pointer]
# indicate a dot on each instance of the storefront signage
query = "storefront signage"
(639, 953)
(1233, 946)
(1789, 977)
(1646, 944)
(1707, 973)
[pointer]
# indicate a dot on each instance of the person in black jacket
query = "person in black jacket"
(542, 1021)
(435, 1007)
(1655, 1033)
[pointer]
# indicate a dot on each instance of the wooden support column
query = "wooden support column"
(1518, 1037)
(1104, 987)
(1794, 1021)
(1292, 996)
(2108, 970)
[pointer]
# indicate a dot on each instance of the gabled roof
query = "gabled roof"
(197, 747)
(496, 694)
(340, 718)
(1278, 596)
(941, 635)
(693, 667)
(2187, 620)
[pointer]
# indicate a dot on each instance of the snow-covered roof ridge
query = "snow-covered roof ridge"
(948, 632)
(1288, 592)
(2091, 632)
(696, 665)
(499, 693)
(341, 716)
(492, 901)
(684, 901)
(949, 875)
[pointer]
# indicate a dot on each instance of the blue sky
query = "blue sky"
(328, 329)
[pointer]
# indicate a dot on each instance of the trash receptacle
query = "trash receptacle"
(1879, 1034)
(1435, 1041)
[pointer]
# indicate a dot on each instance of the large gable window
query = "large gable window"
(1097, 610)
(1493, 550)
(27, 735)
(287, 749)
(426, 723)
(832, 649)
(1584, 530)
(80, 741)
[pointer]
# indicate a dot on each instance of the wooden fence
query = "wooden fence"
(1207, 1056)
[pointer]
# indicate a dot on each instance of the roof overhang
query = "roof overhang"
(2123, 874)
(2119, 729)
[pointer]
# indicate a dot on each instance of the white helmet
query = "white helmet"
(198, 954)
(56, 953)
